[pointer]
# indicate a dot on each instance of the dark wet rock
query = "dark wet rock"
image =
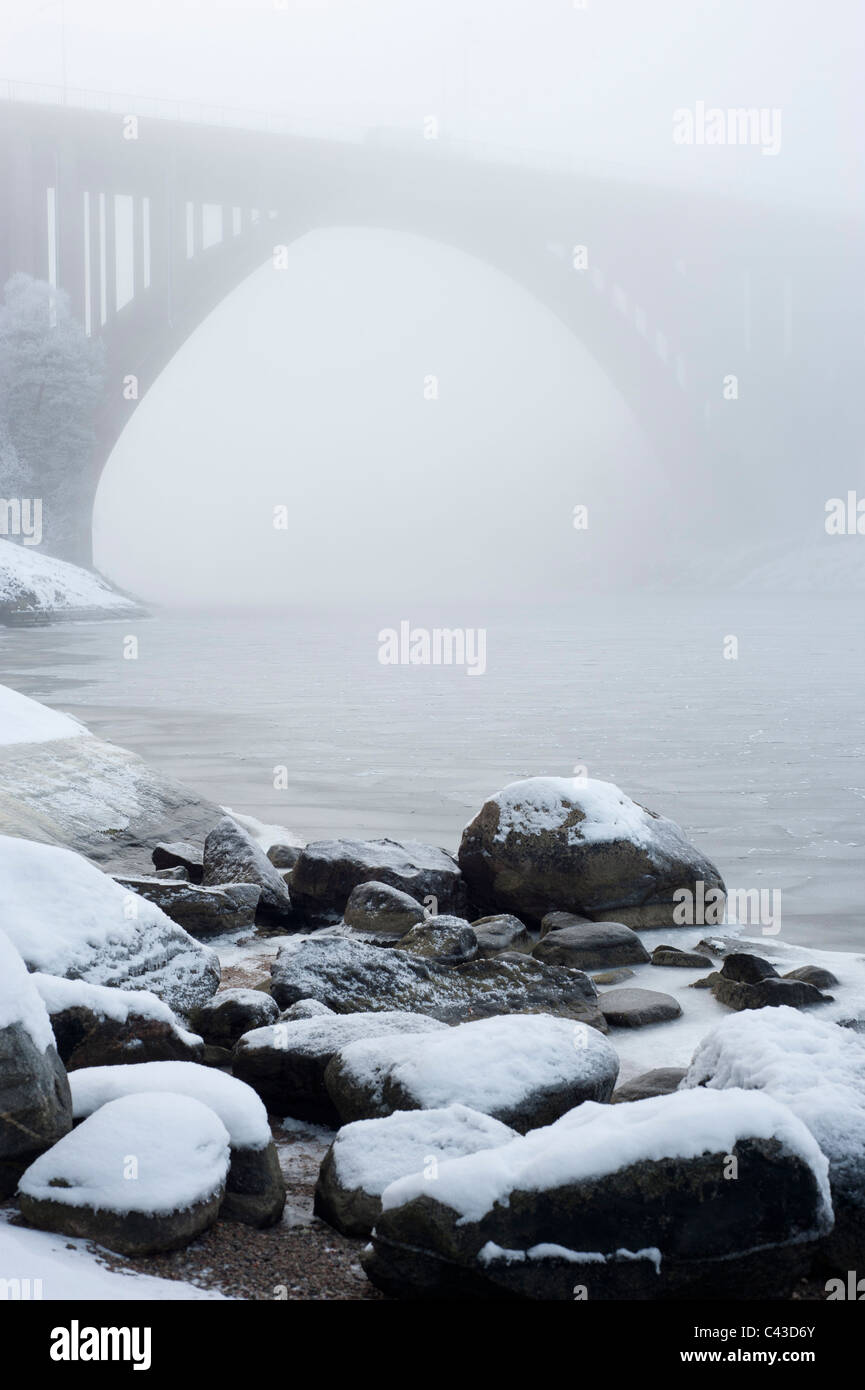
(613, 977)
(557, 921)
(216, 1056)
(178, 875)
(685, 960)
(635, 1008)
(203, 912)
(660, 1082)
(328, 870)
(447, 940)
(283, 856)
(501, 932)
(378, 907)
(769, 992)
(813, 975)
(588, 946)
(255, 1189)
(353, 977)
(180, 856)
(35, 1104)
(747, 969)
(707, 981)
(232, 856)
(231, 1013)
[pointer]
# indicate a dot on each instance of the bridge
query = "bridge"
(148, 222)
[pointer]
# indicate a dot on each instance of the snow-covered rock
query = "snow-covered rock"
(97, 1026)
(231, 855)
(818, 1070)
(286, 1063)
(448, 940)
(39, 585)
(35, 1104)
(203, 912)
(68, 918)
(255, 1190)
(26, 721)
(501, 932)
(144, 1173)
(367, 1156)
(377, 907)
(231, 1013)
(524, 1070)
(578, 845)
(617, 1202)
(328, 870)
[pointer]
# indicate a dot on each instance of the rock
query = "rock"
(707, 982)
(232, 856)
(283, 856)
(328, 870)
(613, 977)
(352, 977)
(501, 932)
(216, 1056)
(377, 907)
(203, 912)
(567, 844)
(587, 946)
(557, 921)
(180, 856)
(560, 1065)
(254, 1189)
(80, 1187)
(661, 1082)
(98, 1027)
(285, 1063)
(365, 1157)
(747, 969)
(813, 975)
(635, 1008)
(68, 918)
(767, 993)
(304, 1008)
(614, 1202)
(35, 1104)
(178, 875)
(231, 1013)
(685, 960)
(448, 940)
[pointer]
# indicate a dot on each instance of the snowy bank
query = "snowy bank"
(35, 586)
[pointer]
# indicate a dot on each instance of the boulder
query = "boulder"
(285, 1063)
(178, 875)
(813, 975)
(557, 921)
(501, 932)
(35, 1104)
(304, 1008)
(254, 1189)
(587, 946)
(568, 844)
(98, 1027)
(231, 1013)
(203, 912)
(746, 968)
(231, 855)
(615, 1202)
(68, 918)
(769, 992)
(85, 1186)
(352, 977)
(328, 870)
(283, 856)
(683, 960)
(180, 856)
(377, 907)
(524, 1070)
(660, 1082)
(635, 1008)
(448, 940)
(613, 977)
(367, 1156)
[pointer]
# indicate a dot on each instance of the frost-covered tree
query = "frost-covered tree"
(51, 379)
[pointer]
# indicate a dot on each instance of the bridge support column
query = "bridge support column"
(69, 232)
(21, 236)
(95, 265)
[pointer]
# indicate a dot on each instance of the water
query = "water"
(760, 759)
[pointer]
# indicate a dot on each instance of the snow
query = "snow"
(20, 1001)
(539, 804)
(58, 1268)
(180, 1150)
(34, 581)
(814, 1067)
(265, 835)
(59, 994)
(490, 1065)
(371, 1154)
(66, 917)
(23, 720)
(546, 1251)
(236, 1104)
(594, 1140)
(325, 1034)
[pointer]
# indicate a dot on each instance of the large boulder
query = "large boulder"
(367, 1156)
(35, 1104)
(254, 1189)
(559, 843)
(377, 907)
(231, 1013)
(589, 946)
(448, 940)
(524, 1070)
(203, 912)
(231, 855)
(180, 856)
(501, 932)
(68, 918)
(145, 1173)
(98, 1027)
(352, 977)
(328, 870)
(285, 1063)
(635, 1008)
(615, 1202)
(818, 1070)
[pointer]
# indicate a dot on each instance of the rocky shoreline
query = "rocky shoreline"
(381, 1068)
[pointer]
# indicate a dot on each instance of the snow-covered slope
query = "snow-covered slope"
(33, 582)
(26, 721)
